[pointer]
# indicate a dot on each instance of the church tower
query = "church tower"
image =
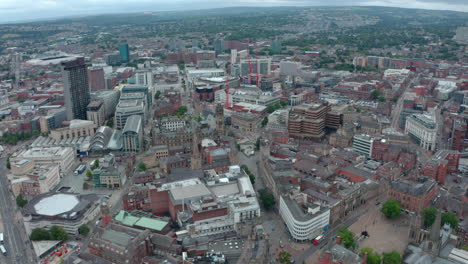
(220, 129)
(432, 244)
(195, 161)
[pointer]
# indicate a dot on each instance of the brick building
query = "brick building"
(413, 195)
(120, 244)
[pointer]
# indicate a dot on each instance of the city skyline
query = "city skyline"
(28, 11)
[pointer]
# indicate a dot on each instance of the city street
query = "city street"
(17, 243)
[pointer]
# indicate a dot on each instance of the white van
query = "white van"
(3, 250)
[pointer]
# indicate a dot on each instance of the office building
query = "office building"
(362, 144)
(76, 88)
(124, 52)
(96, 79)
(127, 108)
(110, 99)
(304, 222)
(422, 128)
(309, 121)
(62, 156)
(95, 112)
(133, 134)
(262, 66)
(112, 59)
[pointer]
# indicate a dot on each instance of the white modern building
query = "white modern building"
(127, 108)
(303, 223)
(423, 129)
(62, 156)
(362, 144)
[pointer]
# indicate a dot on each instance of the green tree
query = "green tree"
(8, 163)
(372, 257)
(20, 201)
(381, 99)
(157, 95)
(257, 143)
(182, 110)
(429, 215)
(89, 174)
(347, 237)
(451, 219)
(391, 258)
(265, 121)
(58, 233)
(141, 166)
(96, 164)
(40, 234)
(110, 122)
(375, 94)
(284, 257)
(83, 230)
(267, 199)
(391, 209)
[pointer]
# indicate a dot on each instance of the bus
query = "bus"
(80, 169)
(1, 238)
(318, 239)
(3, 250)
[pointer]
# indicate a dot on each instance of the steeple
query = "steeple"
(196, 155)
(435, 229)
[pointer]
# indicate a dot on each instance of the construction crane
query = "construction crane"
(227, 103)
(250, 63)
(257, 65)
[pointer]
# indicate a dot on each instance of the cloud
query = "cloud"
(20, 10)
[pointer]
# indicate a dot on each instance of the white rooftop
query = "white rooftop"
(56, 204)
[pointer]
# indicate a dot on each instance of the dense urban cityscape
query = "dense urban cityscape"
(322, 135)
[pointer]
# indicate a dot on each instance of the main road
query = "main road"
(17, 243)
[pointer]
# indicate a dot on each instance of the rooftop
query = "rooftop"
(115, 237)
(56, 204)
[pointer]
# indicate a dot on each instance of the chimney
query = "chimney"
(365, 258)
(338, 240)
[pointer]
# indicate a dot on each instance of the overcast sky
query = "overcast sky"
(24, 10)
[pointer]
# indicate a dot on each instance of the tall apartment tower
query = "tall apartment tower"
(220, 120)
(124, 52)
(196, 162)
(76, 88)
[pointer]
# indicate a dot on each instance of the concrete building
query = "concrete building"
(96, 112)
(260, 65)
(128, 108)
(76, 88)
(308, 121)
(304, 223)
(76, 128)
(66, 210)
(422, 128)
(362, 144)
(246, 122)
(40, 179)
(133, 134)
(62, 156)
